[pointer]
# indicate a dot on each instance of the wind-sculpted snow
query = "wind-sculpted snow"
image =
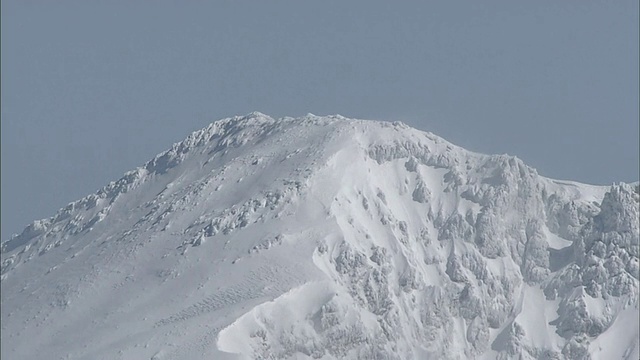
(326, 237)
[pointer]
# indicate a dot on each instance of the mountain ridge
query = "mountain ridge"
(197, 137)
(386, 222)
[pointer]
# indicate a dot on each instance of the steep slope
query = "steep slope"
(326, 237)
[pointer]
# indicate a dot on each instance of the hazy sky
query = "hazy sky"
(93, 89)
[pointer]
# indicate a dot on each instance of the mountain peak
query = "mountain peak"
(327, 237)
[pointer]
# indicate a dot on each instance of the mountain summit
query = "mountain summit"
(327, 238)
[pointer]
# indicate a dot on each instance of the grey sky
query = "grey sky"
(90, 91)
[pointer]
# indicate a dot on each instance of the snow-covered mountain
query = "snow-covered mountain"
(325, 238)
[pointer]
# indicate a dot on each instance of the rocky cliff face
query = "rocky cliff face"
(325, 237)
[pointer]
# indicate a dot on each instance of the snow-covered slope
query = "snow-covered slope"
(326, 237)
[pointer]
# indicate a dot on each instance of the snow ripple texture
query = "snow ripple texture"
(327, 238)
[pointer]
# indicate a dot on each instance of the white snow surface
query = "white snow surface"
(327, 238)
